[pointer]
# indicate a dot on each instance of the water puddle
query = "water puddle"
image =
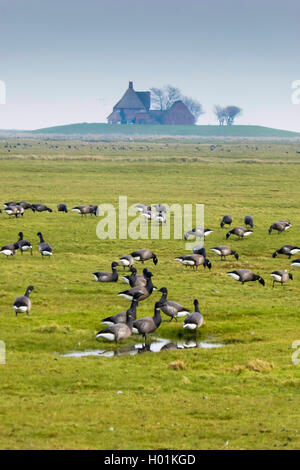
(157, 345)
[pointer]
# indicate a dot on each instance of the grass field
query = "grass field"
(244, 395)
(85, 128)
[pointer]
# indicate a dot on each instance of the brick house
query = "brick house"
(134, 108)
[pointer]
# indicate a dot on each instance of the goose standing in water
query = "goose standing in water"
(245, 275)
(145, 326)
(44, 247)
(281, 277)
(195, 319)
(23, 304)
(170, 308)
(118, 331)
(108, 277)
(24, 245)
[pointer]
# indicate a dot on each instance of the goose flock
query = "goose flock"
(140, 286)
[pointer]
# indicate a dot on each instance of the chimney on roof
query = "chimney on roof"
(130, 84)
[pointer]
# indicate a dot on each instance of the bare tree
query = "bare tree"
(228, 114)
(220, 113)
(231, 113)
(194, 106)
(158, 98)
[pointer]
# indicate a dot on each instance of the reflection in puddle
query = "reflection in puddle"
(159, 344)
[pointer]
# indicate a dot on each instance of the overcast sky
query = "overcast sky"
(66, 61)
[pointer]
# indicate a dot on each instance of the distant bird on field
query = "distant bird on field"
(44, 247)
(288, 250)
(40, 208)
(240, 232)
(223, 251)
(126, 261)
(198, 232)
(248, 220)
(296, 263)
(280, 226)
(9, 249)
(62, 208)
(245, 275)
(144, 255)
(281, 277)
(24, 245)
(23, 304)
(146, 290)
(227, 220)
(122, 317)
(108, 277)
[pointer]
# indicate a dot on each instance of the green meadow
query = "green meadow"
(244, 395)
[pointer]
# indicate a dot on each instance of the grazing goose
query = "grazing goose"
(160, 208)
(160, 218)
(144, 255)
(296, 263)
(195, 319)
(281, 276)
(280, 226)
(198, 232)
(143, 207)
(131, 278)
(145, 291)
(44, 247)
(122, 317)
(148, 215)
(240, 232)
(170, 308)
(248, 220)
(194, 260)
(83, 209)
(227, 220)
(288, 250)
(118, 331)
(9, 249)
(145, 326)
(22, 304)
(62, 208)
(12, 211)
(24, 245)
(26, 205)
(199, 250)
(108, 277)
(245, 275)
(40, 208)
(224, 251)
(10, 203)
(126, 261)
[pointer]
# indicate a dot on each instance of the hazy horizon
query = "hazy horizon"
(69, 61)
